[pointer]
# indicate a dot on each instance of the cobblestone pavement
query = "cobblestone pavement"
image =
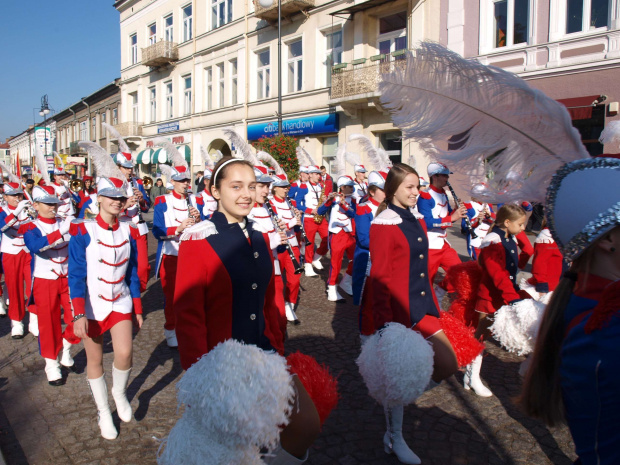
(41, 424)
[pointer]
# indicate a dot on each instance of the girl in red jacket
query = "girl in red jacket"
(229, 293)
(547, 264)
(499, 260)
(400, 287)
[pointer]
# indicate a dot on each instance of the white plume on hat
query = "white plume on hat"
(42, 165)
(377, 156)
(9, 174)
(611, 133)
(502, 122)
(264, 156)
(122, 145)
(341, 161)
(103, 162)
(174, 156)
(302, 153)
(242, 145)
(206, 159)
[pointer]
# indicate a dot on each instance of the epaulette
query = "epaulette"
(198, 231)
(387, 217)
(25, 227)
(160, 199)
(78, 225)
(490, 239)
(199, 200)
(363, 210)
(425, 195)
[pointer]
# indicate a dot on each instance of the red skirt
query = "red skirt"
(486, 306)
(428, 326)
(97, 328)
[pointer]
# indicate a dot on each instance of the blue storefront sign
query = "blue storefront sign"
(321, 124)
(168, 127)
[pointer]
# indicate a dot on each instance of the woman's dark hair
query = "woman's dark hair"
(394, 179)
(220, 171)
(510, 212)
(541, 396)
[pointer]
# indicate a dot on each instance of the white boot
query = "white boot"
(281, 457)
(472, 380)
(317, 261)
(346, 284)
(66, 360)
(53, 373)
(309, 271)
(99, 391)
(290, 313)
(3, 308)
(17, 329)
(333, 295)
(120, 379)
(171, 338)
(33, 325)
(393, 441)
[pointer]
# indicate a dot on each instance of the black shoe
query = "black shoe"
(296, 322)
(18, 336)
(57, 382)
(71, 368)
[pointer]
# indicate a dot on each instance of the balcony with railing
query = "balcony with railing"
(288, 7)
(359, 80)
(160, 53)
(129, 129)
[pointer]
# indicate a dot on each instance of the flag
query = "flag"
(18, 171)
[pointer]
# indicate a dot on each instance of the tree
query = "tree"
(283, 149)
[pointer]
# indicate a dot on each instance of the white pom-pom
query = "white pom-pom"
(396, 364)
(239, 393)
(516, 326)
(189, 444)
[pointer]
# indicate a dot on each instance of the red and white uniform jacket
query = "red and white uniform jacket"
(282, 210)
(210, 204)
(103, 261)
(341, 217)
(12, 241)
(547, 264)
(49, 248)
(481, 227)
(307, 197)
(65, 208)
(361, 190)
(260, 216)
(435, 208)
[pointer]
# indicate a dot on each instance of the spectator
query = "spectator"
(157, 190)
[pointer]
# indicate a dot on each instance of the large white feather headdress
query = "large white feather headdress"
(173, 154)
(42, 165)
(241, 145)
(8, 173)
(494, 121)
(122, 145)
(103, 162)
(264, 156)
(206, 159)
(377, 156)
(302, 154)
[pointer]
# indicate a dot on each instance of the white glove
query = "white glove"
(20, 206)
(63, 228)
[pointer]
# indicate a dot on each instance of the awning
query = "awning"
(148, 156)
(580, 107)
(351, 10)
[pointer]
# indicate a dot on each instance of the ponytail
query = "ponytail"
(382, 206)
(541, 396)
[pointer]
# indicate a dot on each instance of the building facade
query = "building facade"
(190, 69)
(569, 49)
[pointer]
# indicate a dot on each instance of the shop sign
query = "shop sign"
(320, 124)
(168, 127)
(176, 140)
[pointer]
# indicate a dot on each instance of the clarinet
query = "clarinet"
(289, 249)
(134, 184)
(301, 227)
(189, 204)
(472, 233)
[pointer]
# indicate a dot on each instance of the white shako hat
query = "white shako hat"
(123, 159)
(44, 194)
(345, 181)
(437, 168)
(112, 187)
(359, 168)
(180, 173)
(280, 180)
(377, 178)
(261, 175)
(314, 169)
(13, 188)
(303, 169)
(59, 170)
(208, 173)
(577, 220)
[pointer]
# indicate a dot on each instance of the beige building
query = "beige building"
(82, 120)
(190, 69)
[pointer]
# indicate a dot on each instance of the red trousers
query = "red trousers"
(50, 295)
(339, 244)
(16, 276)
(280, 303)
(445, 257)
(168, 275)
(291, 292)
(311, 229)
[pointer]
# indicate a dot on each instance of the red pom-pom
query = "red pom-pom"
(465, 345)
(321, 386)
(464, 278)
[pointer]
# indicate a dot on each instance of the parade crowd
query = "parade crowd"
(230, 256)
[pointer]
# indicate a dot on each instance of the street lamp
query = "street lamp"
(267, 4)
(44, 111)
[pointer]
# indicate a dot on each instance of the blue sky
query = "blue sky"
(66, 49)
